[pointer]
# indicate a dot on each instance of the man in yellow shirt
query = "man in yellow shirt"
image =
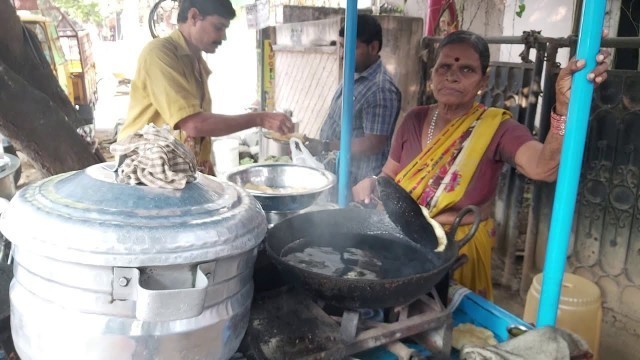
(170, 85)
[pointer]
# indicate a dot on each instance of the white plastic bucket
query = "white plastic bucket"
(226, 155)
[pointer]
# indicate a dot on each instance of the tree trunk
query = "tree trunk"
(35, 113)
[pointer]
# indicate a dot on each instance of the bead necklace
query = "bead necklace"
(432, 127)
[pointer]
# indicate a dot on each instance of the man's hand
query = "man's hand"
(275, 121)
(363, 191)
(315, 146)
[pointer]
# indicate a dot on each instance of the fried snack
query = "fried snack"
(441, 235)
(469, 334)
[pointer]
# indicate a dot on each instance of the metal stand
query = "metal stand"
(349, 325)
(426, 321)
(288, 324)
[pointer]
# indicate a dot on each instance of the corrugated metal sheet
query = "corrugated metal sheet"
(306, 79)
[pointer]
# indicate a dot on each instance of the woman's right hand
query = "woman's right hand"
(563, 83)
(363, 190)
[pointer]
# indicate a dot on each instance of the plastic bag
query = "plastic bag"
(300, 155)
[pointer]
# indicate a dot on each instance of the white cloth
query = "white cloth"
(547, 343)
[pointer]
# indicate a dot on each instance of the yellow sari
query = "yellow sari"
(439, 176)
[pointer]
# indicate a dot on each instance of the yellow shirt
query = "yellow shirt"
(167, 88)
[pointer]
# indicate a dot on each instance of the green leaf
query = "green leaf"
(79, 10)
(520, 10)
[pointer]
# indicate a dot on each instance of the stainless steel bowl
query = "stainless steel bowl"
(308, 184)
(7, 178)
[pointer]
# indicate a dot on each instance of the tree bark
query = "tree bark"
(35, 113)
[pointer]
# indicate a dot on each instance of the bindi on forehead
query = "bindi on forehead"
(457, 59)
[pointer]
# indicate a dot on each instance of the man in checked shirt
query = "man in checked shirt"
(376, 107)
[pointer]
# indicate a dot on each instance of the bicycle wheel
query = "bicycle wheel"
(163, 18)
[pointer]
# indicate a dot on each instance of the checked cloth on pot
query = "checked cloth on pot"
(152, 156)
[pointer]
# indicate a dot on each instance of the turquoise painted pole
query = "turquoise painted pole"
(570, 162)
(344, 165)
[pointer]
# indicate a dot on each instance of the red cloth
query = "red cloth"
(507, 140)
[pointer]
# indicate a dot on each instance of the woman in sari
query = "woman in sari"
(449, 155)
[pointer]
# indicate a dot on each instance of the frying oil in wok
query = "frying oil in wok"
(357, 256)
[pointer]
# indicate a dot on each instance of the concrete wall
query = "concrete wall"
(415, 8)
(484, 17)
(306, 10)
(309, 33)
(291, 14)
(400, 54)
(554, 18)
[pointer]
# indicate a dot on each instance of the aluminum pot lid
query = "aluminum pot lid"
(86, 217)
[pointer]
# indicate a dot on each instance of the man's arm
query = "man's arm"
(204, 124)
(369, 144)
(179, 103)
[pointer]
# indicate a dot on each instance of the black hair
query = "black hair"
(222, 8)
(475, 41)
(368, 31)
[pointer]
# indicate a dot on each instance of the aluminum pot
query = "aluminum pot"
(6, 274)
(114, 271)
(7, 177)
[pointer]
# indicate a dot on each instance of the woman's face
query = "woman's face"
(457, 76)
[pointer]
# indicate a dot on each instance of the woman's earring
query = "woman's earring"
(479, 92)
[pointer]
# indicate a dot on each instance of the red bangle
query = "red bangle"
(557, 123)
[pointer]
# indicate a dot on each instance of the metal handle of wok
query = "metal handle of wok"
(474, 227)
(458, 262)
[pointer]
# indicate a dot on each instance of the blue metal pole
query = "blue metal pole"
(570, 162)
(344, 170)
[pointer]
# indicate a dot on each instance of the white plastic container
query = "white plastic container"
(226, 155)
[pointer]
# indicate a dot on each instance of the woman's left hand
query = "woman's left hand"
(563, 83)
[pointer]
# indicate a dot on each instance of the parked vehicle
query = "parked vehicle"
(50, 42)
(73, 64)
(76, 44)
(8, 148)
